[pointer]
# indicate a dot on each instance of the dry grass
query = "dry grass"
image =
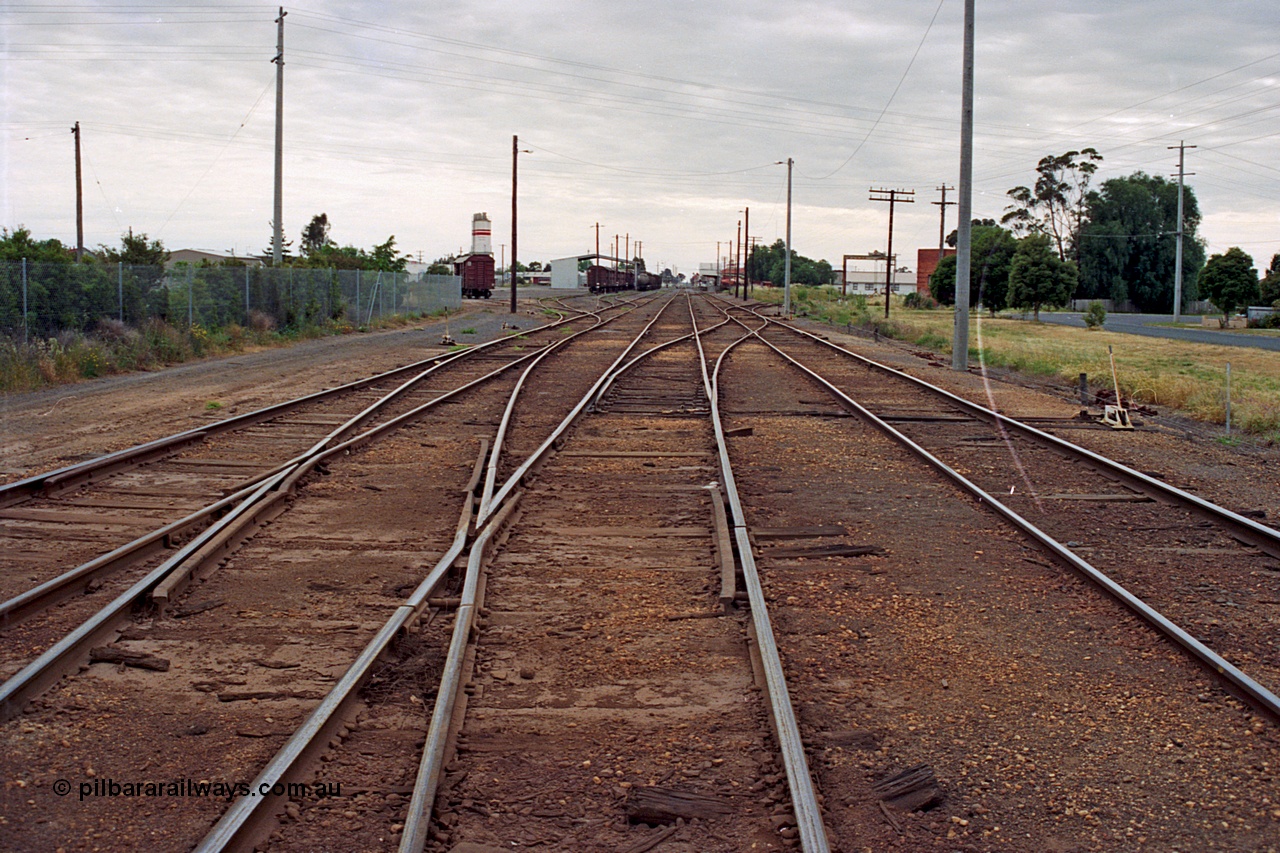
(1187, 377)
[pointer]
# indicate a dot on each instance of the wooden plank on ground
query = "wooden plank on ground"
(636, 454)
(1124, 497)
(72, 517)
(798, 532)
(632, 532)
(824, 551)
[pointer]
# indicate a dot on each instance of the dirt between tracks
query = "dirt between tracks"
(44, 430)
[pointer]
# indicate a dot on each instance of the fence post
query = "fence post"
(395, 279)
(357, 297)
(25, 333)
(1228, 398)
(246, 296)
(120, 287)
(190, 300)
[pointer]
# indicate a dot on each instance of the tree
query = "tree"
(17, 245)
(1128, 250)
(316, 235)
(385, 257)
(942, 282)
(1038, 277)
(1055, 205)
(143, 287)
(136, 250)
(1230, 281)
(991, 251)
(1269, 287)
(768, 263)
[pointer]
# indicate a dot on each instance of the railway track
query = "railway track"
(62, 600)
(540, 660)
(182, 629)
(1195, 570)
(696, 599)
(926, 638)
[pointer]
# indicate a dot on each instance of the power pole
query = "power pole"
(515, 277)
(597, 242)
(277, 223)
(746, 245)
(942, 225)
(960, 336)
(737, 269)
(786, 264)
(79, 198)
(893, 197)
(1177, 272)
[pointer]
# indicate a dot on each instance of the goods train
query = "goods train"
(605, 280)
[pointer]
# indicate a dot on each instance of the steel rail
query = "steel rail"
(1266, 539)
(14, 611)
(246, 823)
(172, 585)
(537, 456)
(1257, 694)
(491, 472)
(47, 668)
(167, 580)
(56, 589)
(605, 389)
(804, 798)
(83, 472)
(431, 766)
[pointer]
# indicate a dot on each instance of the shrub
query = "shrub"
(261, 323)
(1095, 316)
(915, 299)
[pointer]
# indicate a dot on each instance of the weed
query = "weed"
(467, 331)
(212, 405)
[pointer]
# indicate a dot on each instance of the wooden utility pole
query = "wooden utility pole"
(79, 198)
(893, 197)
(737, 270)
(942, 224)
(746, 244)
(597, 242)
(277, 223)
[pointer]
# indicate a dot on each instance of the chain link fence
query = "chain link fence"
(42, 299)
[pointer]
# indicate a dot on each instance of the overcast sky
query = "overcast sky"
(660, 119)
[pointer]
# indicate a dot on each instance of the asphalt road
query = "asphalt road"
(1143, 324)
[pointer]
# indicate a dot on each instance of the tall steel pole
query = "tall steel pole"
(1177, 271)
(786, 264)
(277, 222)
(964, 210)
(79, 198)
(515, 274)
